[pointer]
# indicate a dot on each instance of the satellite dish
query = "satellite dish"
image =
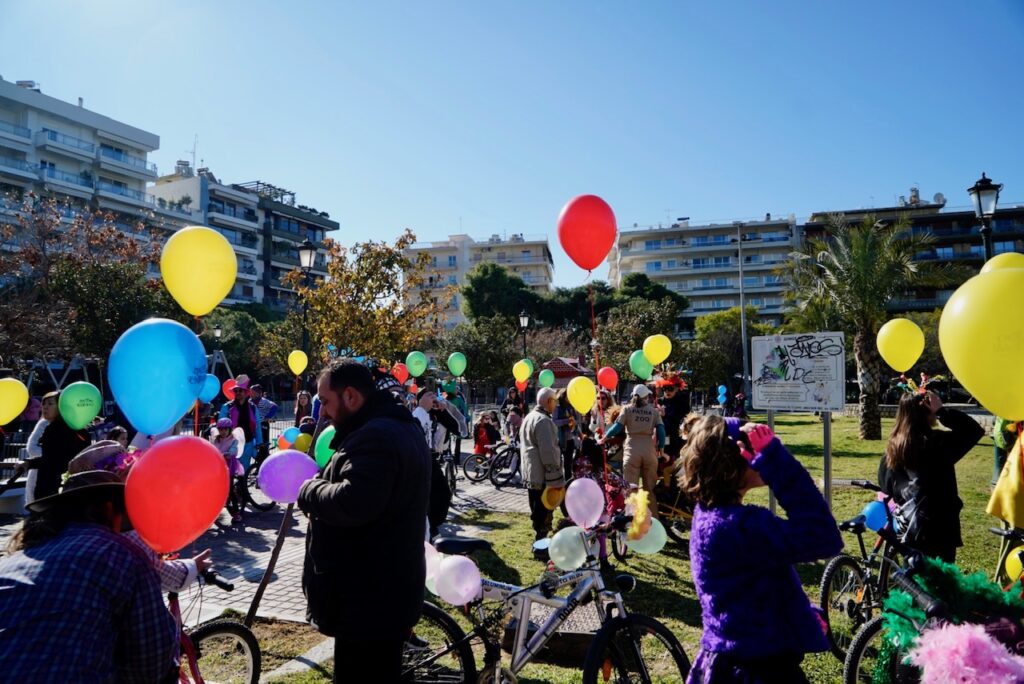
(939, 198)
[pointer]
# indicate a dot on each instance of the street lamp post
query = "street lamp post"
(217, 332)
(307, 254)
(524, 323)
(985, 195)
(739, 240)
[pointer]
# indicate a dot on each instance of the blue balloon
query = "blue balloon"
(875, 516)
(722, 398)
(157, 369)
(211, 386)
(722, 389)
(291, 434)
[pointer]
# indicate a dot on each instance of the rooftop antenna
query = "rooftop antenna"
(195, 146)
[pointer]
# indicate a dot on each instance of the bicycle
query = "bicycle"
(853, 588)
(477, 467)
(251, 484)
(1012, 540)
(448, 465)
(505, 465)
(627, 646)
(220, 650)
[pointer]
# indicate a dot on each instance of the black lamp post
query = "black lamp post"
(217, 332)
(985, 195)
(307, 254)
(524, 323)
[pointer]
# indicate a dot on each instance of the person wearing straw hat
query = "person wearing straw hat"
(78, 602)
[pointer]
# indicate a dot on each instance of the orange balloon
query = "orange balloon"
(176, 491)
(228, 388)
(283, 443)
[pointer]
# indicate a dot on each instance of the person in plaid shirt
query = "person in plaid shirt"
(78, 601)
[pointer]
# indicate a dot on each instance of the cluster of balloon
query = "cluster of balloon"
(416, 362)
(640, 365)
(297, 362)
(546, 378)
(157, 369)
(584, 501)
(568, 550)
(211, 388)
(323, 452)
(901, 343)
(522, 370)
(199, 268)
(581, 393)
(722, 396)
(401, 372)
(608, 378)
(586, 230)
(657, 348)
(293, 438)
(456, 580)
(79, 403)
(457, 364)
(175, 492)
(283, 473)
(875, 516)
(228, 388)
(13, 399)
(981, 343)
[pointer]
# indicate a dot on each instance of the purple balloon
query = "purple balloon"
(282, 474)
(584, 502)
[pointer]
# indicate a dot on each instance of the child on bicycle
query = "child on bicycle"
(485, 435)
(227, 444)
(758, 623)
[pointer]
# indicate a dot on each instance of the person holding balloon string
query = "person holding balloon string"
(742, 555)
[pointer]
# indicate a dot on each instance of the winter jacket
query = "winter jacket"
(742, 556)
(60, 444)
(230, 410)
(933, 483)
(538, 448)
(364, 568)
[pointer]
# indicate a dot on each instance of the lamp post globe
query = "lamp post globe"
(985, 196)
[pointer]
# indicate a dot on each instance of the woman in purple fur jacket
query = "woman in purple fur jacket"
(758, 623)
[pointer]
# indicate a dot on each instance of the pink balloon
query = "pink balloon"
(458, 580)
(584, 501)
(282, 474)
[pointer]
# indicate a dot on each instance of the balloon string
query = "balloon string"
(597, 365)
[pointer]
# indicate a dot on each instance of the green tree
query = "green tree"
(640, 286)
(569, 308)
(860, 269)
(629, 325)
(490, 290)
(240, 340)
(490, 345)
(708, 365)
(722, 331)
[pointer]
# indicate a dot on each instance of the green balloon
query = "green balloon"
(640, 366)
(529, 363)
(546, 378)
(416, 362)
(457, 364)
(323, 449)
(79, 403)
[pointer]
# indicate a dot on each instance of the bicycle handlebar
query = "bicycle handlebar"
(866, 484)
(211, 577)
(931, 606)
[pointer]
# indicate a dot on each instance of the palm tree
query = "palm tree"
(850, 276)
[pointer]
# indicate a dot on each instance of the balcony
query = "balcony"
(247, 271)
(18, 169)
(67, 145)
(234, 219)
(244, 240)
(15, 137)
(513, 260)
(927, 304)
(72, 183)
(124, 194)
(126, 164)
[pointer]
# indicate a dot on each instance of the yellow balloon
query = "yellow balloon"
(298, 361)
(982, 345)
(900, 342)
(1013, 565)
(1003, 261)
(199, 268)
(657, 348)
(13, 399)
(582, 394)
(302, 442)
(521, 371)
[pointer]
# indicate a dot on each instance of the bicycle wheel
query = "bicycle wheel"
(886, 568)
(864, 657)
(635, 648)
(449, 474)
(617, 541)
(502, 471)
(438, 651)
(845, 602)
(476, 468)
(256, 498)
(226, 652)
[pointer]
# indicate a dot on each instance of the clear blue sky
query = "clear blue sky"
(421, 113)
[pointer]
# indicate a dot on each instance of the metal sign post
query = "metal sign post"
(826, 416)
(771, 494)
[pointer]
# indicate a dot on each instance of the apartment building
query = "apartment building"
(707, 263)
(56, 148)
(525, 256)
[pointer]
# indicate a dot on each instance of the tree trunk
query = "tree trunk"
(869, 375)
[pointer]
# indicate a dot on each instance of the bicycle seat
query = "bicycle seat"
(460, 546)
(855, 525)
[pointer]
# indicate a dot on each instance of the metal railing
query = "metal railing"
(13, 129)
(20, 164)
(127, 159)
(64, 176)
(139, 195)
(67, 140)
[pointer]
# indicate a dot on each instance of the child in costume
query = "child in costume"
(227, 442)
(758, 623)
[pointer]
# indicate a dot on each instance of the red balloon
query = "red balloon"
(608, 378)
(521, 385)
(586, 229)
(175, 492)
(413, 389)
(401, 372)
(283, 443)
(228, 388)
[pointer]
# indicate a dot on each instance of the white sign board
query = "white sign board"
(803, 372)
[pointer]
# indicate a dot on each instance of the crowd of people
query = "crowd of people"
(383, 493)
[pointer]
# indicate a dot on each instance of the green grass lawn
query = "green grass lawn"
(665, 589)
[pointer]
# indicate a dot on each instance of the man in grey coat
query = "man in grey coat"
(541, 458)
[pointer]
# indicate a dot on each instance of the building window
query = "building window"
(455, 302)
(1005, 246)
(700, 263)
(652, 244)
(700, 240)
(752, 259)
(671, 242)
(433, 261)
(773, 280)
(751, 281)
(452, 280)
(671, 263)
(451, 260)
(755, 301)
(978, 250)
(526, 255)
(723, 261)
(943, 252)
(653, 266)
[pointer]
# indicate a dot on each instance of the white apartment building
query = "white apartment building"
(525, 256)
(703, 262)
(57, 148)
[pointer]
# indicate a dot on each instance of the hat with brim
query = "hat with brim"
(89, 457)
(81, 488)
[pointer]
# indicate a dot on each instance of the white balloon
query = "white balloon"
(433, 559)
(458, 580)
(584, 502)
(568, 550)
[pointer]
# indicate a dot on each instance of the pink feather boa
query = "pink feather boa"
(964, 653)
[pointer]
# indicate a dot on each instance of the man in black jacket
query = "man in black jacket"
(364, 569)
